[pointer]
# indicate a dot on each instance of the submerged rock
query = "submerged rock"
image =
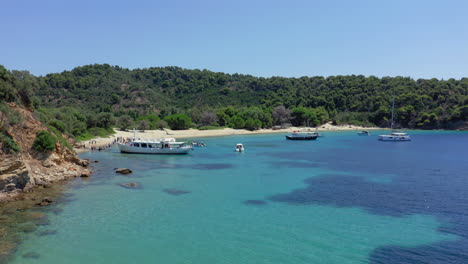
(33, 215)
(45, 202)
(3, 232)
(123, 171)
(47, 232)
(255, 202)
(173, 191)
(43, 221)
(130, 185)
(31, 255)
(6, 249)
(56, 210)
(28, 228)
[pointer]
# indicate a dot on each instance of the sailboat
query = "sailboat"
(395, 135)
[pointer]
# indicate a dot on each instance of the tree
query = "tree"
(144, 125)
(178, 121)
(125, 122)
(237, 122)
(104, 120)
(281, 115)
(208, 118)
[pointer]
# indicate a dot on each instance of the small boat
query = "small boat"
(198, 144)
(296, 135)
(317, 134)
(395, 136)
(156, 146)
(240, 148)
(364, 133)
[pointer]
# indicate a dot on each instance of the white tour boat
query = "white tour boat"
(155, 146)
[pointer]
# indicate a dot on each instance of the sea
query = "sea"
(341, 199)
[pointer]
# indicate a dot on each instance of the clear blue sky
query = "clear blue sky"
(421, 39)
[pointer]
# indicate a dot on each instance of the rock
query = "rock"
(48, 163)
(31, 255)
(3, 232)
(45, 202)
(28, 228)
(35, 215)
(255, 202)
(130, 185)
(6, 248)
(85, 174)
(5, 220)
(176, 191)
(47, 232)
(123, 171)
(43, 221)
(84, 162)
(10, 187)
(56, 210)
(13, 175)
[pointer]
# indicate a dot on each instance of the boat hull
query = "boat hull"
(162, 151)
(394, 138)
(301, 137)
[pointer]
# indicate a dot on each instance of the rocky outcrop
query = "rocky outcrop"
(22, 171)
(13, 175)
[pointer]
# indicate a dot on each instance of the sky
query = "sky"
(419, 39)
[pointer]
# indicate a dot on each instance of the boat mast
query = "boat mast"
(393, 107)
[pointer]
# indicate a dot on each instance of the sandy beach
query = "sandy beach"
(195, 133)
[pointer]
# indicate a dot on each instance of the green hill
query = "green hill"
(99, 96)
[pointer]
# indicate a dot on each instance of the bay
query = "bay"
(339, 199)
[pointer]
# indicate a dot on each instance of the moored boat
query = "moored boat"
(156, 146)
(364, 133)
(302, 136)
(395, 136)
(240, 147)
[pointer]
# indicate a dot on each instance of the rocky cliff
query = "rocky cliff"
(27, 168)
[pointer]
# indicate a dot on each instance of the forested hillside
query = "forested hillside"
(93, 97)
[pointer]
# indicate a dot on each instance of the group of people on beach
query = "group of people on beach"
(94, 145)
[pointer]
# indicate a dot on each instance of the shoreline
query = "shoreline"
(100, 142)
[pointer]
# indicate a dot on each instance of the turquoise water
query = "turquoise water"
(340, 199)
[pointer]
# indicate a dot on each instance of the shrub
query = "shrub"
(60, 137)
(44, 141)
(210, 127)
(9, 145)
(59, 125)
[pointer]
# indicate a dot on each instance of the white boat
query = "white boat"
(364, 133)
(155, 146)
(299, 135)
(240, 148)
(395, 135)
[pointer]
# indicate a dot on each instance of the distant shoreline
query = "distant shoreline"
(195, 133)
